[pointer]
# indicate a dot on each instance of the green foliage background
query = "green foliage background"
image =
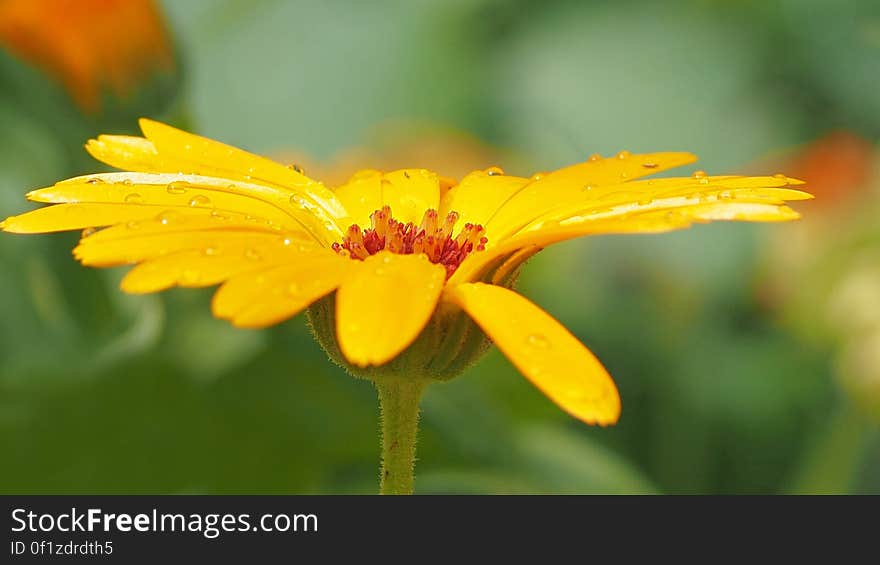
(103, 392)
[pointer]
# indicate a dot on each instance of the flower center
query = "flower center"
(431, 237)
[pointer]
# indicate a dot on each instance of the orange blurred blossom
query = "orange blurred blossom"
(87, 45)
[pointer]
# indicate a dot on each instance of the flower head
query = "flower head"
(398, 269)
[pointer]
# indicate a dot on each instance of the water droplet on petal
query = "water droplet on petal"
(199, 201)
(296, 168)
(95, 180)
(89, 231)
(779, 176)
(218, 216)
(537, 341)
(697, 175)
(299, 202)
(594, 157)
(167, 217)
(649, 165)
(623, 154)
(127, 182)
(550, 224)
(494, 171)
(210, 251)
(133, 198)
(176, 187)
(537, 176)
(588, 188)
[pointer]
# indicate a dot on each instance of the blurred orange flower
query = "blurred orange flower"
(88, 44)
(823, 273)
(836, 166)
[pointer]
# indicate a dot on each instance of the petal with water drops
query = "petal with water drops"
(263, 297)
(213, 158)
(546, 190)
(543, 350)
(479, 195)
(647, 207)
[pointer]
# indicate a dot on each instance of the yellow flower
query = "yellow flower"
(414, 260)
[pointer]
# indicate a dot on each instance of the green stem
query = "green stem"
(399, 404)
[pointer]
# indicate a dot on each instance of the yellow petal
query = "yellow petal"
(173, 151)
(64, 217)
(191, 269)
(361, 196)
(623, 200)
(653, 221)
(264, 297)
(409, 192)
(479, 195)
(131, 153)
(190, 220)
(168, 191)
(212, 158)
(384, 305)
(543, 350)
(538, 197)
(653, 189)
(104, 252)
(645, 207)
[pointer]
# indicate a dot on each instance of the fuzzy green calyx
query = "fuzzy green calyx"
(449, 343)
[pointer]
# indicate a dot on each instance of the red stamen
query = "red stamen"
(430, 237)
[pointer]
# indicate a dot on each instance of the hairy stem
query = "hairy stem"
(399, 403)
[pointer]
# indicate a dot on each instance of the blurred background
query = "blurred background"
(748, 356)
